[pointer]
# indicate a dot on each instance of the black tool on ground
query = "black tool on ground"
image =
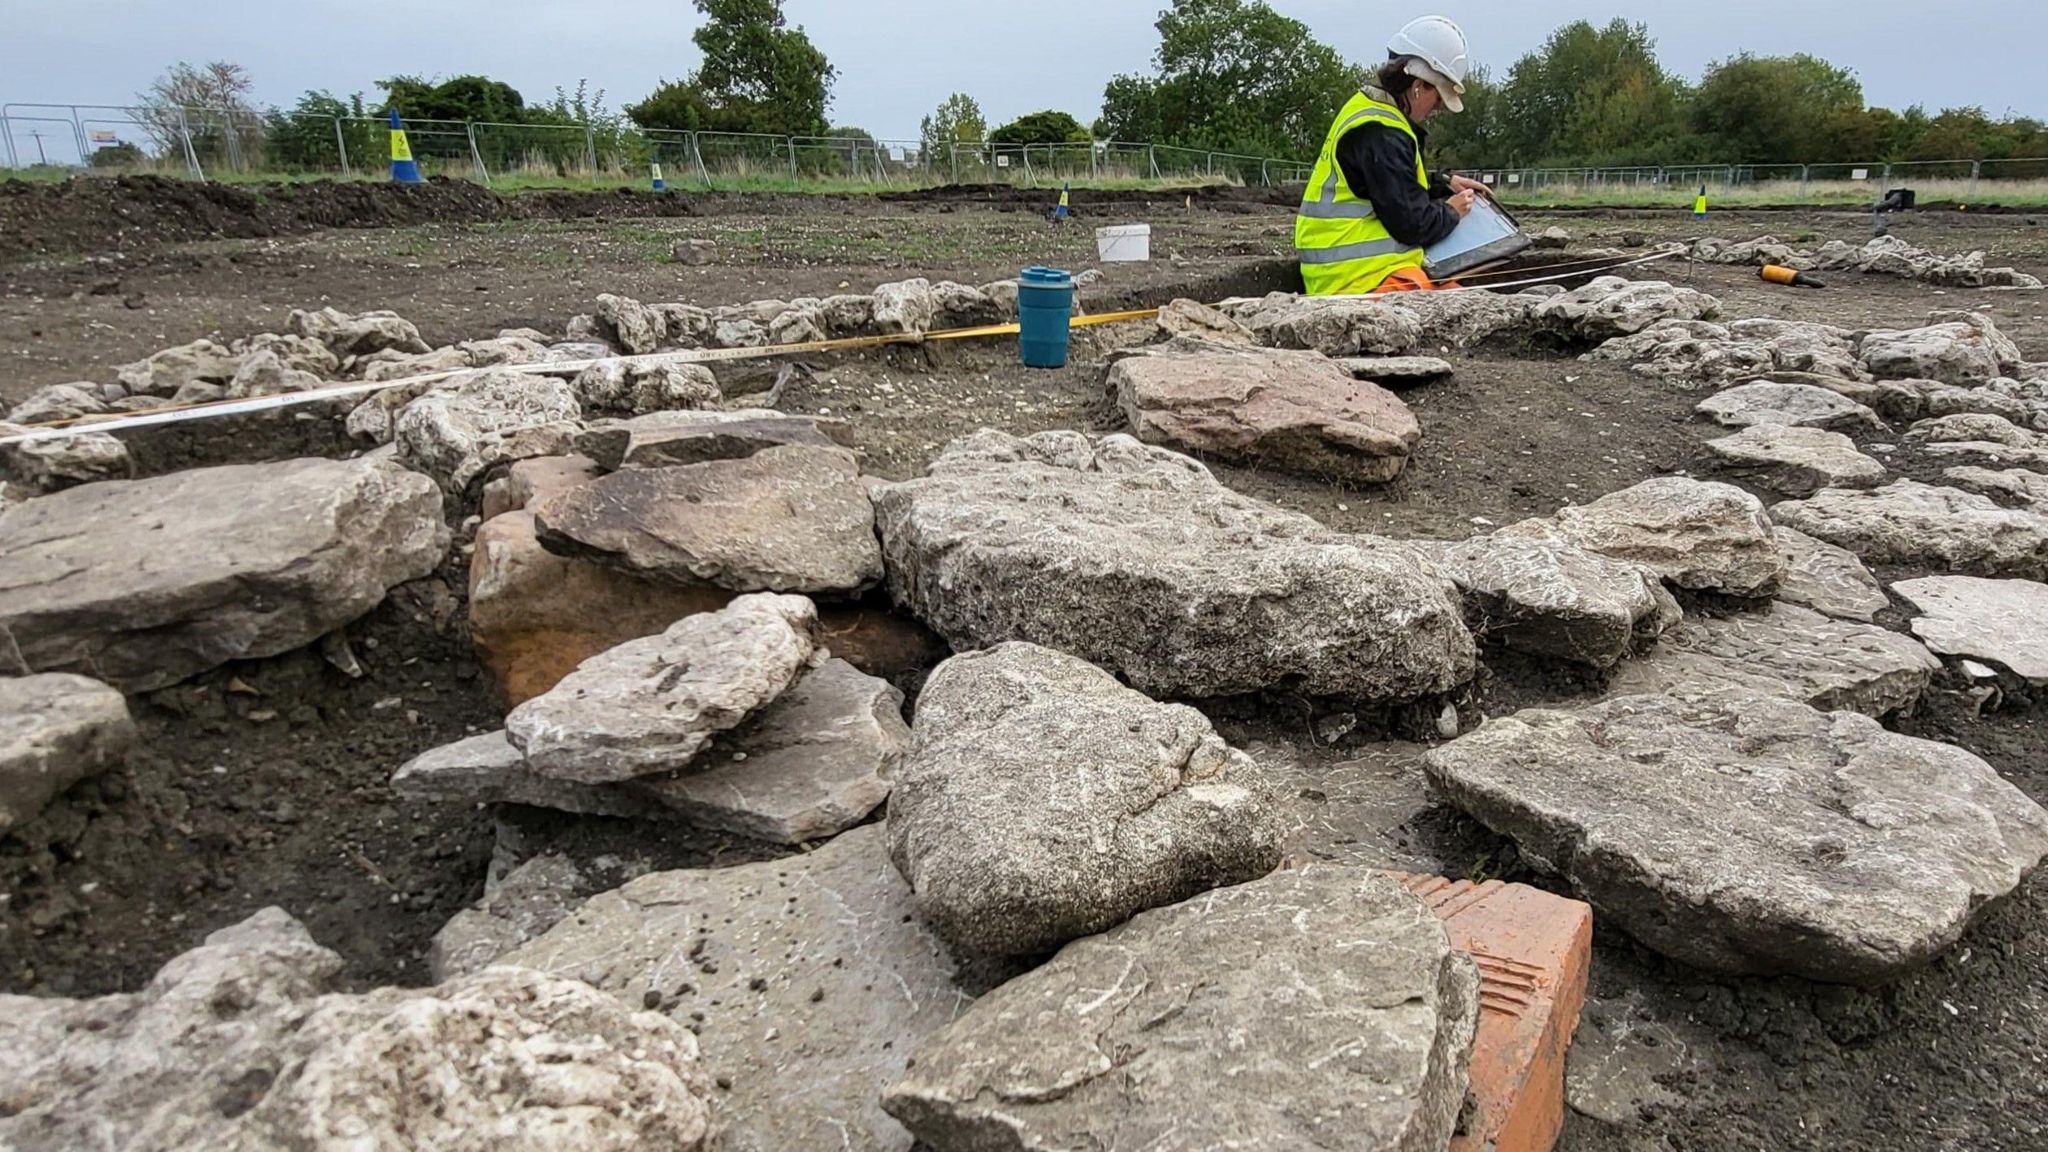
(1779, 274)
(1897, 200)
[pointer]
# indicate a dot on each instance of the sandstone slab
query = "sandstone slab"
(535, 479)
(142, 583)
(810, 981)
(1827, 579)
(649, 706)
(1251, 1017)
(1043, 801)
(660, 439)
(1696, 534)
(1741, 832)
(55, 730)
(1909, 523)
(1795, 461)
(1797, 653)
(246, 1043)
(1291, 411)
(1999, 621)
(1139, 561)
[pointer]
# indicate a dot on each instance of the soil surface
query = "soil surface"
(266, 783)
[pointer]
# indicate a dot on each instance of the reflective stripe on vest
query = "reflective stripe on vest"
(1341, 244)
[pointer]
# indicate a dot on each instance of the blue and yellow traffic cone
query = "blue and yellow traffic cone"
(404, 170)
(1060, 213)
(1699, 205)
(660, 185)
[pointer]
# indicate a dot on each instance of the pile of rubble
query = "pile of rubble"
(1883, 256)
(714, 618)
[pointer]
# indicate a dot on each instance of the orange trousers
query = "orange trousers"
(1410, 280)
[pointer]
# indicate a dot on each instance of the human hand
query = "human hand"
(1467, 184)
(1462, 203)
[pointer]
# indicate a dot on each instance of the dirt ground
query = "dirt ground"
(266, 783)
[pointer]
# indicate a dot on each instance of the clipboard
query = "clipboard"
(1485, 236)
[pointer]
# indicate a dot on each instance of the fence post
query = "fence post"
(78, 135)
(1152, 156)
(1976, 170)
(476, 156)
(953, 149)
(793, 178)
(1094, 161)
(1886, 177)
(191, 153)
(341, 147)
(7, 134)
(697, 153)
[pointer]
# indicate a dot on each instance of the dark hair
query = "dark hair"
(1396, 79)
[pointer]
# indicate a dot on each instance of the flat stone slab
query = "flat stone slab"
(55, 730)
(2021, 485)
(662, 439)
(1955, 352)
(649, 706)
(810, 981)
(1793, 651)
(1696, 352)
(531, 899)
(1794, 461)
(1535, 952)
(1827, 579)
(786, 519)
(1291, 411)
(811, 764)
(1999, 621)
(1548, 598)
(1613, 306)
(143, 583)
(1797, 405)
(1397, 371)
(460, 430)
(1251, 1017)
(248, 1042)
(1741, 832)
(1043, 801)
(1696, 534)
(1923, 526)
(1140, 562)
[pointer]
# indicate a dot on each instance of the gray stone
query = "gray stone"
(962, 306)
(650, 705)
(1741, 832)
(1318, 1008)
(664, 438)
(1792, 652)
(1139, 561)
(143, 583)
(692, 251)
(2021, 485)
(1923, 526)
(381, 367)
(630, 324)
(298, 353)
(533, 480)
(2002, 622)
(906, 307)
(1793, 460)
(247, 1043)
(531, 899)
(1551, 237)
(53, 463)
(1397, 371)
(806, 767)
(165, 372)
(1968, 427)
(1611, 306)
(1970, 350)
(1695, 534)
(1396, 325)
(53, 402)
(458, 432)
(1290, 411)
(1697, 352)
(810, 980)
(197, 392)
(1827, 579)
(358, 335)
(1799, 405)
(786, 519)
(55, 730)
(1042, 801)
(1200, 321)
(617, 386)
(1551, 599)
(264, 373)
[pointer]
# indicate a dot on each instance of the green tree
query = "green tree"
(759, 75)
(1778, 110)
(1235, 75)
(1472, 138)
(1592, 96)
(1047, 127)
(957, 120)
(304, 137)
(478, 98)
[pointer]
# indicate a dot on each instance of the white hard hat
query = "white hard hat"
(1439, 45)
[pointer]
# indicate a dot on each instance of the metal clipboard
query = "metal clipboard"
(1485, 236)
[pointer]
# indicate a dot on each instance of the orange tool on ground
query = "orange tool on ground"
(1779, 274)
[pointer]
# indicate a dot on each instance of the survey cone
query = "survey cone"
(660, 185)
(1699, 205)
(404, 170)
(1066, 195)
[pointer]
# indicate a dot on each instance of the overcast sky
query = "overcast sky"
(898, 58)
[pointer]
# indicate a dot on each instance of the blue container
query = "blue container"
(1045, 310)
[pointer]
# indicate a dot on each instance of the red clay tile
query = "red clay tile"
(1533, 951)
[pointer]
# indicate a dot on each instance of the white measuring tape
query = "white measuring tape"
(162, 416)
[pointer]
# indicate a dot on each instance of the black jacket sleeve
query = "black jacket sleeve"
(1378, 164)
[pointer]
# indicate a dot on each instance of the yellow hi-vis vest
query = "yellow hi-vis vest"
(1342, 246)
